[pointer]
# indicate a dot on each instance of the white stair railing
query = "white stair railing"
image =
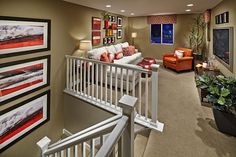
(103, 84)
(120, 141)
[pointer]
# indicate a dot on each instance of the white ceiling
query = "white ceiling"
(148, 7)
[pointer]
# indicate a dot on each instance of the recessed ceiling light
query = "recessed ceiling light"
(122, 11)
(108, 6)
(190, 5)
(131, 13)
(188, 10)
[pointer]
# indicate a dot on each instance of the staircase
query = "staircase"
(119, 89)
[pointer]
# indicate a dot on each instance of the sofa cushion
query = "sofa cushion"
(96, 53)
(111, 49)
(125, 44)
(118, 47)
(128, 59)
(170, 59)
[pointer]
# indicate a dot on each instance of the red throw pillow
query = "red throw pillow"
(129, 51)
(104, 57)
(118, 55)
(126, 51)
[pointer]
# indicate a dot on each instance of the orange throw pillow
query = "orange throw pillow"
(105, 57)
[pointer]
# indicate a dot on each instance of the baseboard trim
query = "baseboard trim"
(66, 132)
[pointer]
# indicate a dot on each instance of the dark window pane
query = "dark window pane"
(167, 34)
(156, 33)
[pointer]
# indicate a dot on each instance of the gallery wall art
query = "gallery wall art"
(96, 38)
(19, 36)
(19, 120)
(23, 77)
(96, 23)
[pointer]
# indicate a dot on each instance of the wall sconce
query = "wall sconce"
(133, 35)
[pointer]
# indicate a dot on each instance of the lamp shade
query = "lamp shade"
(85, 45)
(134, 34)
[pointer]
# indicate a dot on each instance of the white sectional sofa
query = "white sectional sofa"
(126, 60)
(96, 53)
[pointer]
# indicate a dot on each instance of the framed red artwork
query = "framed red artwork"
(96, 38)
(96, 23)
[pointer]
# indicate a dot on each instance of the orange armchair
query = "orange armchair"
(179, 64)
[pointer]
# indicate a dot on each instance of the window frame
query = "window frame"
(162, 34)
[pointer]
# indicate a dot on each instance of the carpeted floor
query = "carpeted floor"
(189, 130)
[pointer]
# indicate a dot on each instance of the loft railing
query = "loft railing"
(119, 142)
(103, 84)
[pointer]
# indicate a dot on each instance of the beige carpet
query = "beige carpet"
(189, 130)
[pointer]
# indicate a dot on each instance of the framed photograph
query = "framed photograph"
(19, 36)
(96, 23)
(96, 38)
(112, 39)
(216, 19)
(23, 77)
(119, 33)
(104, 41)
(119, 21)
(226, 17)
(113, 19)
(19, 120)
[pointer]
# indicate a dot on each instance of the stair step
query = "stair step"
(151, 146)
(140, 143)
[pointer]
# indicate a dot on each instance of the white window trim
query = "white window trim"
(161, 36)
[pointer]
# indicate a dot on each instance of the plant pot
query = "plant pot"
(225, 122)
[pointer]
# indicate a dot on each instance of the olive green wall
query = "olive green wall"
(142, 42)
(79, 115)
(70, 23)
(225, 5)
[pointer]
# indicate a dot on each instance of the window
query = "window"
(162, 33)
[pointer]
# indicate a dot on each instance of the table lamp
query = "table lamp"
(133, 35)
(85, 45)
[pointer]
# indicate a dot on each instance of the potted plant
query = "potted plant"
(222, 95)
(196, 38)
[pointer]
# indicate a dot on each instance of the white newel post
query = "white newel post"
(154, 99)
(127, 103)
(160, 126)
(43, 144)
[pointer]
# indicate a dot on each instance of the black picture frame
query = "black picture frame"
(36, 33)
(46, 67)
(119, 21)
(31, 128)
(119, 33)
(222, 18)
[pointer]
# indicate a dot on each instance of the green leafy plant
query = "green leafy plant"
(221, 91)
(196, 37)
(105, 15)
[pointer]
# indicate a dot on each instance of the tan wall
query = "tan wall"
(70, 23)
(142, 42)
(226, 5)
(80, 115)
